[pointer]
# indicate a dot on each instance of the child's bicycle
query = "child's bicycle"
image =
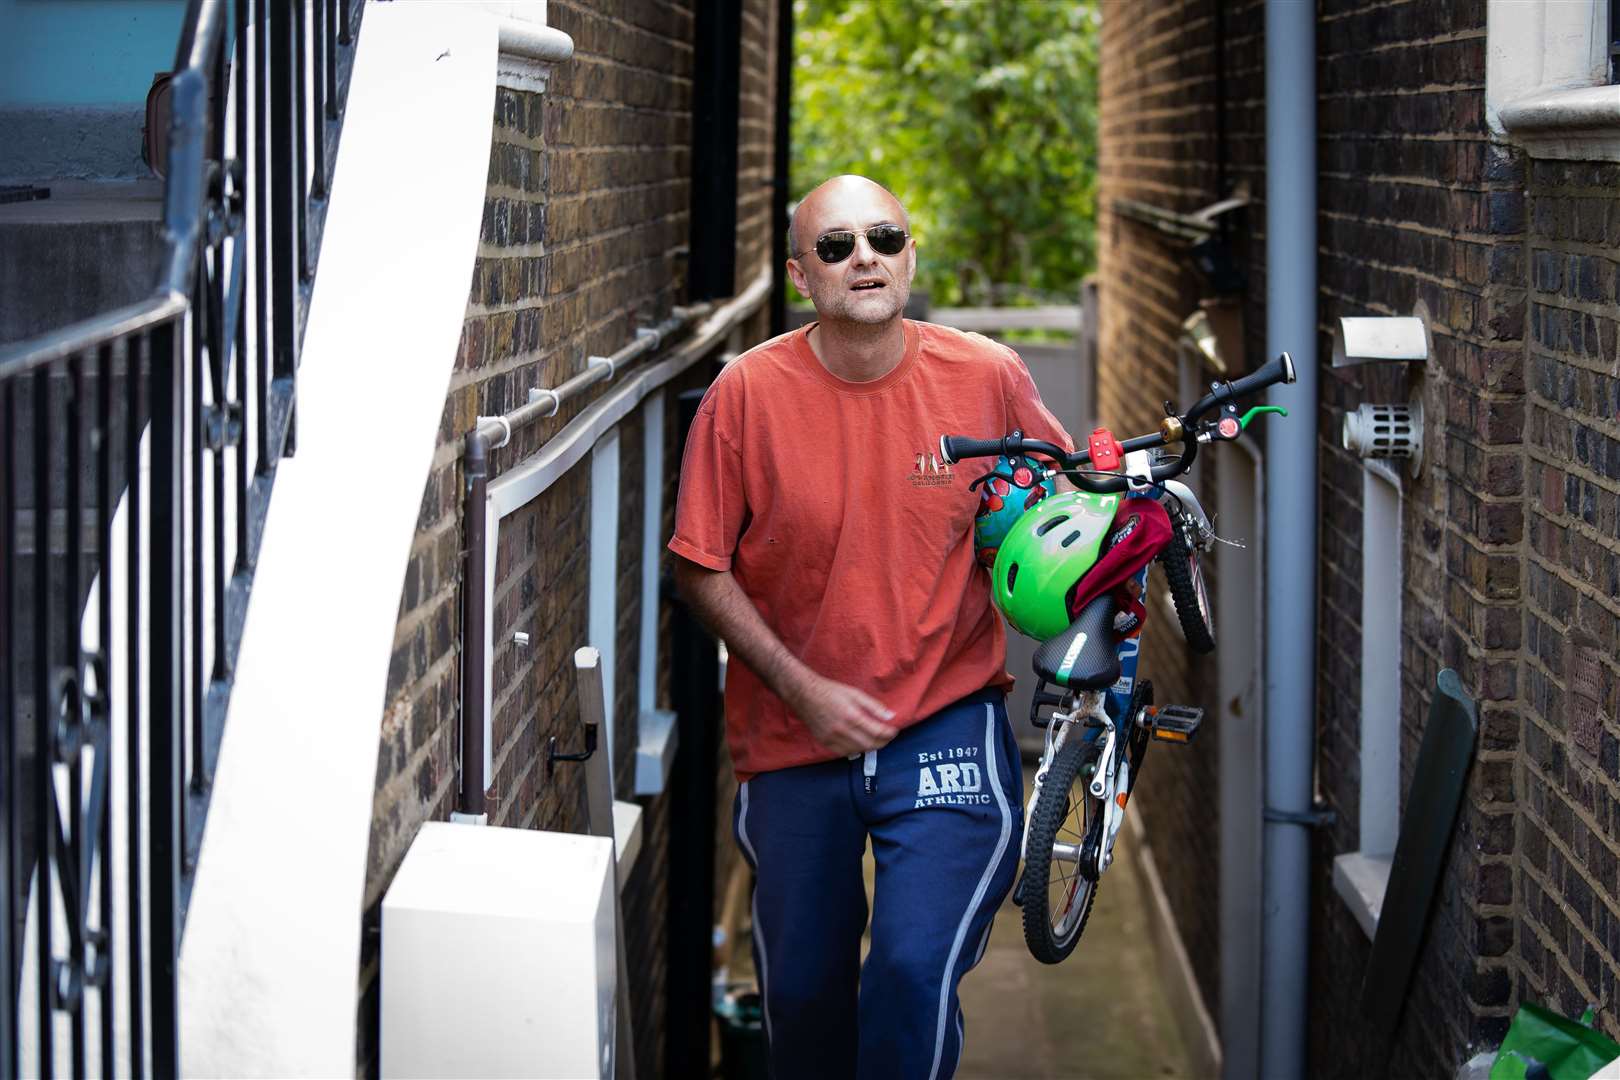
(1097, 716)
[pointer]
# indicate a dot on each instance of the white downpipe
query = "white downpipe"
(1290, 592)
(602, 630)
(652, 528)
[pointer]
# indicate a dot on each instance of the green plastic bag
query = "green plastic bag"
(1566, 1050)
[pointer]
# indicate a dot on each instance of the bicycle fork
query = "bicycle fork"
(1110, 784)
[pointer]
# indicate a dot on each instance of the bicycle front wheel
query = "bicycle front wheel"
(1189, 594)
(1064, 827)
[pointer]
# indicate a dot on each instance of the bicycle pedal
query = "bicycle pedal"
(1177, 723)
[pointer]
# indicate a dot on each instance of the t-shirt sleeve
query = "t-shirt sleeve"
(1026, 409)
(710, 509)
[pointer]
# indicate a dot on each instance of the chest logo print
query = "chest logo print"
(930, 471)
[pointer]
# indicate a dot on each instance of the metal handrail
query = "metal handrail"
(718, 321)
(23, 357)
(544, 402)
(113, 419)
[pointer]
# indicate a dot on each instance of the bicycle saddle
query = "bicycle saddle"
(1083, 657)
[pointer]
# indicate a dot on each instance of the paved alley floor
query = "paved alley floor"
(1102, 1014)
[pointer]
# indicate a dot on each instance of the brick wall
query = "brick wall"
(1509, 562)
(1568, 885)
(1156, 145)
(1407, 225)
(584, 239)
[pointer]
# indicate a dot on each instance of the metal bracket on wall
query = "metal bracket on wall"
(552, 756)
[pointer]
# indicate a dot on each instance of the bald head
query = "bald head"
(838, 198)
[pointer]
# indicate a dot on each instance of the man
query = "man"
(824, 540)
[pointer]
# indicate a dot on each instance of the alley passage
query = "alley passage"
(1102, 1014)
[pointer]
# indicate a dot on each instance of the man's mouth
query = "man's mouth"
(863, 286)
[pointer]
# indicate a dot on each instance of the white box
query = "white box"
(498, 955)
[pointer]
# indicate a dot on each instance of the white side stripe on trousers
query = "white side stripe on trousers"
(984, 882)
(759, 938)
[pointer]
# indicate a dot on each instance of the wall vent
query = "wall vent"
(1386, 431)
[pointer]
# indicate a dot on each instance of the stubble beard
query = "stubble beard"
(840, 305)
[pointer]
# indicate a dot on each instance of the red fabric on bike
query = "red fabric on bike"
(827, 502)
(1141, 530)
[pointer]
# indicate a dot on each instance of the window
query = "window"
(1360, 876)
(1550, 69)
(655, 753)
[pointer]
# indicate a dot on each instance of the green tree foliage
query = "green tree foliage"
(981, 115)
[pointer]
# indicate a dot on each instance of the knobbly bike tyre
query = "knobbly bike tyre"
(1047, 944)
(1188, 593)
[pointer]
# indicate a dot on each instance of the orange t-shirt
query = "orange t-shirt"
(828, 503)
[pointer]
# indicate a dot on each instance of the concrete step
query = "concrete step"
(86, 249)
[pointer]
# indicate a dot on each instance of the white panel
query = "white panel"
(626, 838)
(652, 528)
(498, 955)
(657, 741)
(604, 608)
(1380, 663)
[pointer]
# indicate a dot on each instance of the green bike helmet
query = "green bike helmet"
(1049, 548)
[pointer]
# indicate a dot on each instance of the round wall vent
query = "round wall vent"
(1386, 431)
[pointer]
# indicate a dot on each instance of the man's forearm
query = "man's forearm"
(721, 605)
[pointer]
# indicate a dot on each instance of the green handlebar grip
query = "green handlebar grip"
(1261, 410)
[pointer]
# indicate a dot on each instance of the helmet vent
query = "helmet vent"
(1012, 575)
(1047, 526)
(1071, 538)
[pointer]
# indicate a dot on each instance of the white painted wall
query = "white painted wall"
(269, 962)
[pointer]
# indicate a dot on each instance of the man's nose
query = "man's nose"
(864, 252)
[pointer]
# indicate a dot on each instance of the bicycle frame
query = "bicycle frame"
(1103, 714)
(1130, 468)
(1106, 714)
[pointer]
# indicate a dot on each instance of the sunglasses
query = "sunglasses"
(835, 247)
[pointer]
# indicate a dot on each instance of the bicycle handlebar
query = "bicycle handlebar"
(954, 448)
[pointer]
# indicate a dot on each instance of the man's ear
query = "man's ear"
(796, 275)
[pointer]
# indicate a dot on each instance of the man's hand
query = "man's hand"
(843, 719)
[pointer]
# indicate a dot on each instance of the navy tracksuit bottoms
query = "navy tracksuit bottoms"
(942, 804)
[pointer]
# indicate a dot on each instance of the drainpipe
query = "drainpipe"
(1290, 598)
(470, 789)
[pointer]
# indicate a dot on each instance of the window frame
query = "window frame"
(1550, 77)
(1361, 876)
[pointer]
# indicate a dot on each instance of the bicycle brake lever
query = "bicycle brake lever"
(1259, 411)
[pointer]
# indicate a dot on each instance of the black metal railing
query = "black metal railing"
(140, 451)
